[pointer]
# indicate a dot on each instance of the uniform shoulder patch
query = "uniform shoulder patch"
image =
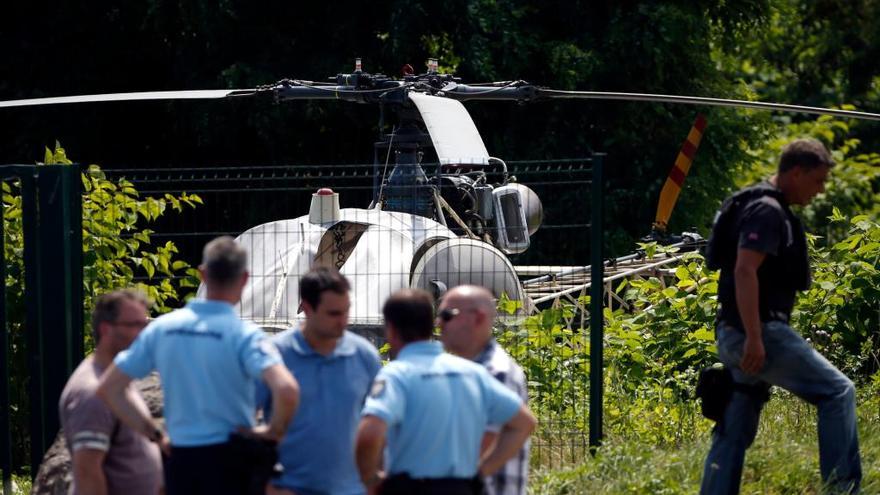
(378, 388)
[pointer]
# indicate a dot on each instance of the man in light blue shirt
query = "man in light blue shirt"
(334, 368)
(433, 408)
(208, 360)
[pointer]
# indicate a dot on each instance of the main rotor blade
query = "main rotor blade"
(203, 94)
(700, 100)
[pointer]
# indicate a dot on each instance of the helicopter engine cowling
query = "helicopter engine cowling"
(452, 262)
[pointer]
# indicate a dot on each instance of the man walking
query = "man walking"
(107, 456)
(335, 369)
(466, 315)
(433, 408)
(760, 246)
(208, 360)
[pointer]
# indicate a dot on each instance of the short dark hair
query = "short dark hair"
(807, 153)
(107, 307)
(411, 312)
(319, 280)
(223, 261)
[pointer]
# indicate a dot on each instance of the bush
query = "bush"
(117, 253)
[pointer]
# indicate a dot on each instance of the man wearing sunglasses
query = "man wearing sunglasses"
(433, 409)
(108, 456)
(466, 315)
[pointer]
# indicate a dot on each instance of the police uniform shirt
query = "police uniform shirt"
(769, 227)
(437, 407)
(317, 451)
(208, 360)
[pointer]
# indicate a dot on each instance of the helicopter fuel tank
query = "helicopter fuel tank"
(463, 261)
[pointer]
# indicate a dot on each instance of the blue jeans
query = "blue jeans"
(791, 363)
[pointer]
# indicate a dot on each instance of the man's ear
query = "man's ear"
(202, 275)
(306, 308)
(391, 333)
(103, 330)
(481, 318)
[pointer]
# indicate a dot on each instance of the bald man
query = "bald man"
(466, 315)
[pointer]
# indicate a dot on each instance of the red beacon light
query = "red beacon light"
(325, 207)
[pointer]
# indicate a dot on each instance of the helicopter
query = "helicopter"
(457, 225)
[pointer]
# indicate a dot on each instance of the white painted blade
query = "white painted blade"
(455, 137)
(202, 94)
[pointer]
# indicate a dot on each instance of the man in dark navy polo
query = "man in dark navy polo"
(761, 249)
(334, 368)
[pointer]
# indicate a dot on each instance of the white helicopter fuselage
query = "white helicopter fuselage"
(379, 252)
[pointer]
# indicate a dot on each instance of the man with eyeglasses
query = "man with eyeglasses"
(433, 408)
(466, 315)
(108, 456)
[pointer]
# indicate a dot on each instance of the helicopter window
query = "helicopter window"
(510, 211)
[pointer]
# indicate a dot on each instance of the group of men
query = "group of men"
(314, 397)
(428, 422)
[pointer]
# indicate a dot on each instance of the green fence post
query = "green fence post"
(33, 315)
(597, 277)
(60, 281)
(5, 406)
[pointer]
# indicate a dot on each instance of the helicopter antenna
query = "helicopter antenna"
(385, 169)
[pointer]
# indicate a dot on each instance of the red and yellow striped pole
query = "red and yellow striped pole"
(670, 191)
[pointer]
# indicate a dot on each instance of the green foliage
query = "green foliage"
(838, 314)
(662, 334)
(117, 253)
(821, 53)
(117, 250)
(853, 187)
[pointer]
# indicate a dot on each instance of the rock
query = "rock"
(54, 476)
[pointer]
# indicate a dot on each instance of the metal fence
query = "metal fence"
(267, 208)
(452, 239)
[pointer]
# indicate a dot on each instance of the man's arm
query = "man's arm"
(285, 399)
(745, 275)
(510, 439)
(88, 471)
(488, 442)
(369, 442)
(112, 390)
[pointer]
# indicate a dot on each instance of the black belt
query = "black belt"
(403, 484)
(766, 317)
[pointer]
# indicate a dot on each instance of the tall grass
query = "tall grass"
(783, 459)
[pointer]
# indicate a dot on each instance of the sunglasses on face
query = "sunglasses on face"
(449, 314)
